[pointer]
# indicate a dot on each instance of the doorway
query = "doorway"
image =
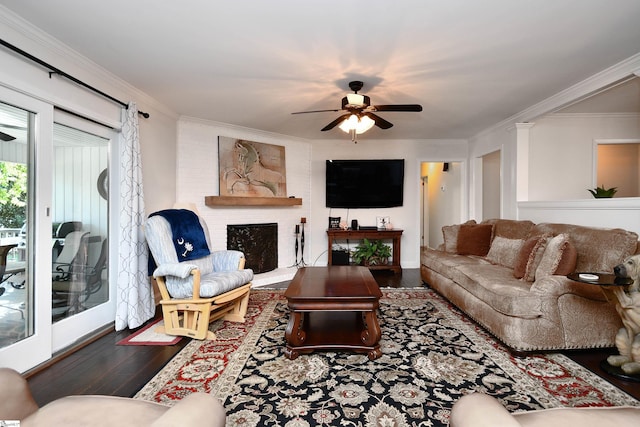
(441, 199)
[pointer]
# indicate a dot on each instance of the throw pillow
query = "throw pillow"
(504, 251)
(450, 235)
(529, 257)
(474, 239)
(559, 257)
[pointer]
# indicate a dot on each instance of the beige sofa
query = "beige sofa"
(17, 403)
(510, 277)
(480, 410)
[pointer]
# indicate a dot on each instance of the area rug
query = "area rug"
(432, 355)
(148, 336)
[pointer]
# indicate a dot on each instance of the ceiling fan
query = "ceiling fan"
(6, 136)
(359, 115)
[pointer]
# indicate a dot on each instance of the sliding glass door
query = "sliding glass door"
(54, 230)
(25, 249)
(82, 300)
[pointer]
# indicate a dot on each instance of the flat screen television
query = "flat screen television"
(361, 184)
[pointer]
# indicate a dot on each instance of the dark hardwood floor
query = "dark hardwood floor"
(102, 367)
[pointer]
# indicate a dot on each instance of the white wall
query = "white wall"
(197, 164)
(504, 135)
(157, 134)
(561, 151)
(406, 217)
(491, 184)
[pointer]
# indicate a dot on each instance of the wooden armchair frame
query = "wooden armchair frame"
(191, 317)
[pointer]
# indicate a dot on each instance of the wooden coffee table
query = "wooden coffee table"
(333, 308)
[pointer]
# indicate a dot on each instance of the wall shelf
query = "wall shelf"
(251, 201)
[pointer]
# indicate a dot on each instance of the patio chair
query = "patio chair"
(85, 280)
(75, 246)
(197, 286)
(4, 275)
(4, 251)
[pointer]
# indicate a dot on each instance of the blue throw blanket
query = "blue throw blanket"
(187, 233)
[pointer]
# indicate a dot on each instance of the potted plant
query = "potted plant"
(372, 252)
(603, 193)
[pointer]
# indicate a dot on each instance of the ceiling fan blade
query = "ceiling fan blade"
(6, 137)
(336, 122)
(2, 125)
(315, 111)
(398, 107)
(380, 122)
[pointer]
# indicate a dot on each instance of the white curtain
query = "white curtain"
(134, 303)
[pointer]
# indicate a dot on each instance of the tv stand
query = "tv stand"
(393, 235)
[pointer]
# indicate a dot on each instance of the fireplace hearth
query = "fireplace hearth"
(259, 242)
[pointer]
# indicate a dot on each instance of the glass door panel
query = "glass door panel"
(15, 308)
(25, 251)
(81, 296)
(80, 222)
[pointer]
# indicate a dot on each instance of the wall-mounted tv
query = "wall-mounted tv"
(360, 184)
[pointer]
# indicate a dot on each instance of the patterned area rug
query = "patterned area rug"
(432, 355)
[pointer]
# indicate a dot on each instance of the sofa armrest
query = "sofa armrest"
(561, 285)
(480, 410)
(16, 401)
(197, 409)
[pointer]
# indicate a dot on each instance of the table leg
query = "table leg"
(371, 334)
(294, 334)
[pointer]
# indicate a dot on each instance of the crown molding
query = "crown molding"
(631, 115)
(582, 90)
(239, 131)
(59, 54)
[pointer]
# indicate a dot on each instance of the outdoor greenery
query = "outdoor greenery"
(13, 194)
(372, 252)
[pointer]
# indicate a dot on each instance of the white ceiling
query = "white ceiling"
(252, 63)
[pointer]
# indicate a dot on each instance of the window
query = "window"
(618, 165)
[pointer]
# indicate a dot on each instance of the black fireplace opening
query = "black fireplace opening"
(258, 242)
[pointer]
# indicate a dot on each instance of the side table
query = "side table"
(628, 308)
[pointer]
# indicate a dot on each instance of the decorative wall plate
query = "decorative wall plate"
(103, 184)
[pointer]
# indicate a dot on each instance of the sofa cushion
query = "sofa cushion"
(510, 228)
(559, 257)
(450, 236)
(445, 263)
(496, 286)
(599, 249)
(529, 257)
(474, 239)
(504, 251)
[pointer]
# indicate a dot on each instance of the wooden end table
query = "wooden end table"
(333, 308)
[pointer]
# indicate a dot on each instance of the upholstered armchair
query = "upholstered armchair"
(197, 286)
(17, 404)
(481, 410)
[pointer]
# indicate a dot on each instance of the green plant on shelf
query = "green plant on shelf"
(371, 252)
(603, 193)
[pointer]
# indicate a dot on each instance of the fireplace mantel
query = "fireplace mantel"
(251, 201)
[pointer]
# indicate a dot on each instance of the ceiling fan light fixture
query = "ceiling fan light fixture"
(359, 124)
(355, 99)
